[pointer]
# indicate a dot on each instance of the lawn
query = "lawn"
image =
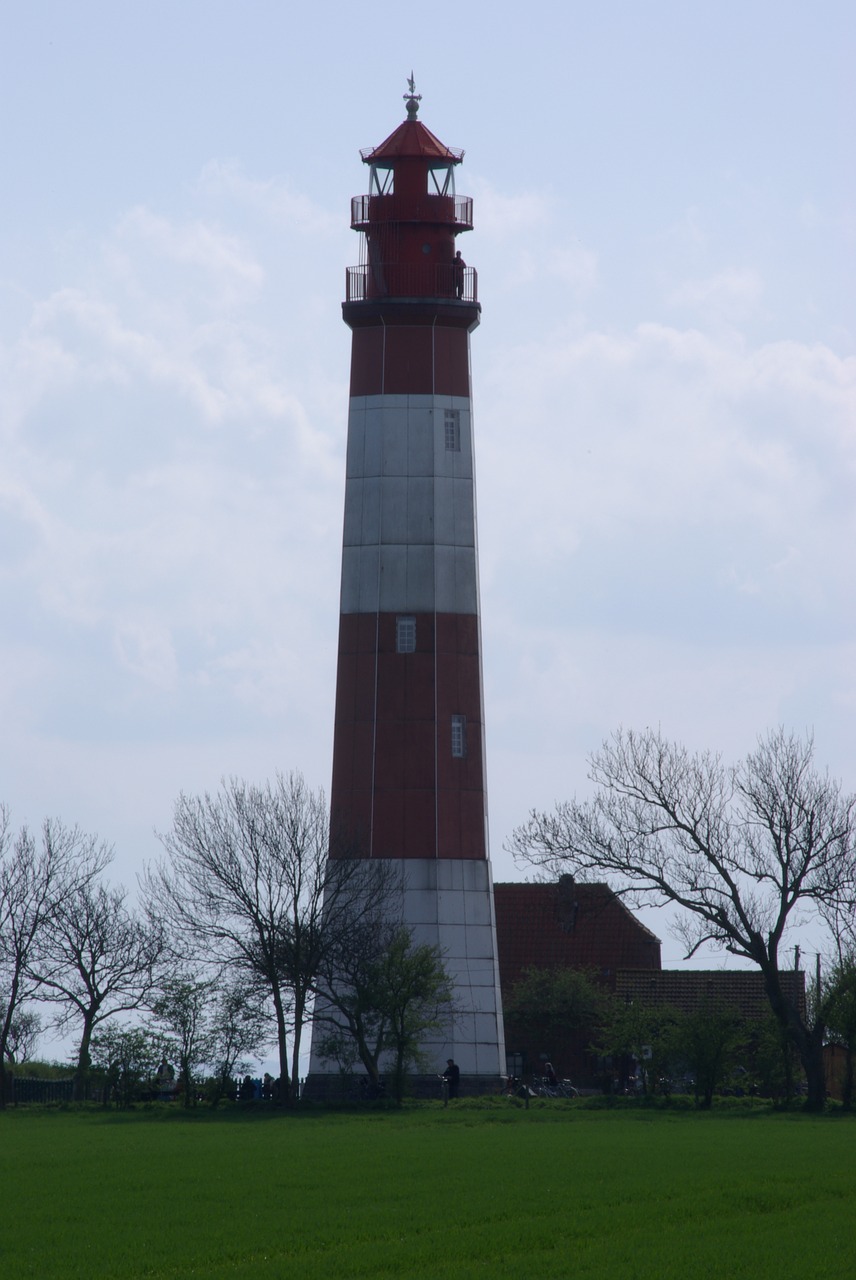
(428, 1192)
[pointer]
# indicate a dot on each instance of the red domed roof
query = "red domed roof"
(412, 139)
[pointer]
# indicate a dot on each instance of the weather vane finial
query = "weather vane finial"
(412, 98)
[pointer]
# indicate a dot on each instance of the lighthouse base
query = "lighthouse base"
(448, 903)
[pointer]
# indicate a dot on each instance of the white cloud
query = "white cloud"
(145, 647)
(672, 464)
(731, 294)
(193, 244)
(524, 242)
(273, 198)
(146, 547)
(576, 266)
(502, 217)
(689, 231)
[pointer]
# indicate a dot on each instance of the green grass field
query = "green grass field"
(465, 1192)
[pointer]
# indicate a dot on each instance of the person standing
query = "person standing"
(459, 266)
(452, 1076)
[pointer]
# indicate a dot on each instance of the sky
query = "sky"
(664, 384)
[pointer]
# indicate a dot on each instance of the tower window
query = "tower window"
(405, 634)
(453, 430)
(459, 737)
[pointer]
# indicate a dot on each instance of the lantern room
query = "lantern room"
(410, 219)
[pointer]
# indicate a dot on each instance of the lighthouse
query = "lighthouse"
(409, 781)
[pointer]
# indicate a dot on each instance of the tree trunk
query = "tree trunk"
(282, 1045)
(11, 1005)
(185, 1079)
(368, 1058)
(811, 1057)
(5, 1085)
(299, 1011)
(399, 1076)
(807, 1040)
(81, 1074)
(847, 1086)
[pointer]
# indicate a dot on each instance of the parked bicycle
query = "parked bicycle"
(364, 1089)
(560, 1089)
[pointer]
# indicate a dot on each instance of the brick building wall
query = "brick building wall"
(565, 925)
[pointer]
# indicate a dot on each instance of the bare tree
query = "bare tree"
(35, 877)
(249, 879)
(745, 852)
(839, 916)
(97, 959)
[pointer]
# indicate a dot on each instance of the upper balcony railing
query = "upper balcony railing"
(405, 280)
(455, 211)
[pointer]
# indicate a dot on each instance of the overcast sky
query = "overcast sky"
(664, 382)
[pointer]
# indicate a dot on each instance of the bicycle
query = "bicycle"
(561, 1089)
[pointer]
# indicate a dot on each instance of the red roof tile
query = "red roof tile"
(691, 989)
(411, 138)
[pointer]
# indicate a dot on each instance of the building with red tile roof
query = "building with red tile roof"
(579, 926)
(566, 924)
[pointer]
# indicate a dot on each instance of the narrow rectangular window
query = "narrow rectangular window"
(405, 634)
(453, 430)
(459, 737)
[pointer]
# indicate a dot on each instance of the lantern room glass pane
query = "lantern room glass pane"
(441, 180)
(381, 181)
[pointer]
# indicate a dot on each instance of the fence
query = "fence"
(25, 1090)
(405, 280)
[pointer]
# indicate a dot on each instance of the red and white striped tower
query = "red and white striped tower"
(408, 761)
